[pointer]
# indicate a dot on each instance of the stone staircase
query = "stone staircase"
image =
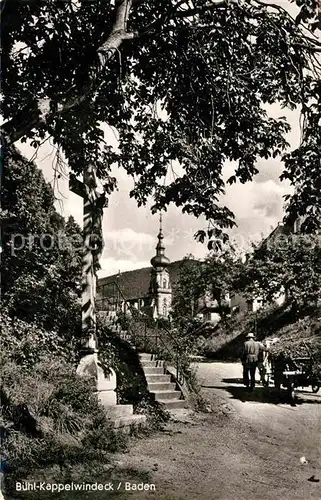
(159, 383)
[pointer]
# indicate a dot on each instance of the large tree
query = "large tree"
(189, 289)
(288, 266)
(211, 67)
(220, 272)
(204, 283)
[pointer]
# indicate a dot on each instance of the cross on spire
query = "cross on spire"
(160, 260)
(160, 234)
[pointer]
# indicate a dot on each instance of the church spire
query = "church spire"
(160, 222)
(160, 260)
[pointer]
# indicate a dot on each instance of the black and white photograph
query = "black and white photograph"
(160, 250)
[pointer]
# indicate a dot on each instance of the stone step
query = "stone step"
(161, 395)
(173, 403)
(156, 362)
(153, 370)
(118, 411)
(161, 386)
(159, 383)
(123, 422)
(144, 356)
(157, 378)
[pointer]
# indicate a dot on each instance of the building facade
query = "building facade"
(148, 290)
(160, 289)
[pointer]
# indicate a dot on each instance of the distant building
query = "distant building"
(238, 303)
(148, 290)
(160, 288)
(208, 308)
(209, 314)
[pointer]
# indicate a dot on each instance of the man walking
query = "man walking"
(250, 358)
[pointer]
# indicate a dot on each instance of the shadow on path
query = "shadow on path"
(262, 394)
(232, 380)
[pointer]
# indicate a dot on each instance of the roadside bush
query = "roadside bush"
(101, 438)
(26, 343)
(51, 416)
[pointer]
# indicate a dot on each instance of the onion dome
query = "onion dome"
(160, 259)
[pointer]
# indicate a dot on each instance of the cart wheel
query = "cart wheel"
(277, 382)
(315, 388)
(291, 393)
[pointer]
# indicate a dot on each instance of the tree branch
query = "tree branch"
(185, 13)
(24, 121)
(16, 128)
(205, 7)
(284, 11)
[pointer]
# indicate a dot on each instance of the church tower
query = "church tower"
(160, 289)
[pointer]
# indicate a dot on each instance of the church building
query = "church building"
(148, 289)
(160, 290)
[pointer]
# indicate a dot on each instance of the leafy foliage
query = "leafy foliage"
(204, 283)
(291, 265)
(27, 344)
(41, 255)
(180, 83)
(189, 288)
(221, 271)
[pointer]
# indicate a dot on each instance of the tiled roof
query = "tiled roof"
(134, 284)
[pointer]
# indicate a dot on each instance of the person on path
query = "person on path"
(250, 359)
(263, 365)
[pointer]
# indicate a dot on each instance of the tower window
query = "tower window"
(164, 283)
(165, 308)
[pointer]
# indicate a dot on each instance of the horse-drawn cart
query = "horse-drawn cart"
(295, 372)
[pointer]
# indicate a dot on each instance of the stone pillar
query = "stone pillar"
(106, 386)
(104, 379)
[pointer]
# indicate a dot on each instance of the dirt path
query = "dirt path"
(246, 448)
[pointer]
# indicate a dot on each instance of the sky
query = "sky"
(130, 232)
